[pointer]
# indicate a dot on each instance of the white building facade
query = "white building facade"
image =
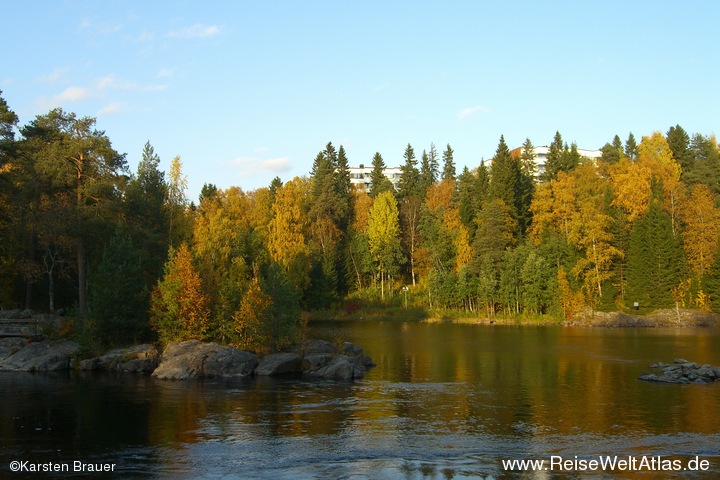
(361, 176)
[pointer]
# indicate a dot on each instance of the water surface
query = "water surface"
(445, 401)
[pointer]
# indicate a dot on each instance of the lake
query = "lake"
(444, 401)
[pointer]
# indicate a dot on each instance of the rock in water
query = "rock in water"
(280, 364)
(45, 356)
(681, 371)
(196, 359)
(138, 359)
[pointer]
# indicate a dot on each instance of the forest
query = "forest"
(126, 256)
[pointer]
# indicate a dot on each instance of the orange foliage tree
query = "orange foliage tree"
(179, 307)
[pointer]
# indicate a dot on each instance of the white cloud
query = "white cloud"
(198, 30)
(261, 150)
(112, 108)
(276, 165)
(72, 94)
(469, 112)
(253, 165)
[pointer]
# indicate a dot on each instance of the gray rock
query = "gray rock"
(319, 346)
(137, 358)
(341, 368)
(10, 345)
(651, 377)
(45, 356)
(195, 359)
(316, 361)
(280, 364)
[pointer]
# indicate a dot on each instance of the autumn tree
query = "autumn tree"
(176, 204)
(287, 242)
(384, 237)
(179, 307)
(701, 233)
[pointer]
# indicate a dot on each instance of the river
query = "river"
(444, 401)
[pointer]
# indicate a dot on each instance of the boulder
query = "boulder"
(341, 367)
(319, 346)
(42, 356)
(279, 364)
(10, 345)
(137, 358)
(682, 371)
(195, 359)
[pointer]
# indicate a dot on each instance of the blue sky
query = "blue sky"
(245, 91)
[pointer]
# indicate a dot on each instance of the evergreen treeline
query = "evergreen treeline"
(133, 258)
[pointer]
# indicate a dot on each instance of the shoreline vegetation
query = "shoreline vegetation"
(615, 319)
(519, 238)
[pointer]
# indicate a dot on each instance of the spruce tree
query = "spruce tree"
(119, 294)
(427, 176)
(409, 176)
(655, 260)
(378, 181)
(679, 142)
(448, 164)
(631, 148)
(554, 158)
(505, 179)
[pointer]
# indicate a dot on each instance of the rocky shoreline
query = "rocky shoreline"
(190, 359)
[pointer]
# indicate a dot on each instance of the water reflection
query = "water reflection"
(445, 401)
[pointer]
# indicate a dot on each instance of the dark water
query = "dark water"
(445, 401)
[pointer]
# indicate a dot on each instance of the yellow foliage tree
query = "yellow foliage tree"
(701, 234)
(286, 232)
(179, 306)
(252, 317)
(632, 181)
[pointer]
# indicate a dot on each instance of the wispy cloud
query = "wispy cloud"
(380, 88)
(112, 108)
(101, 89)
(54, 77)
(111, 82)
(469, 112)
(165, 73)
(199, 30)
